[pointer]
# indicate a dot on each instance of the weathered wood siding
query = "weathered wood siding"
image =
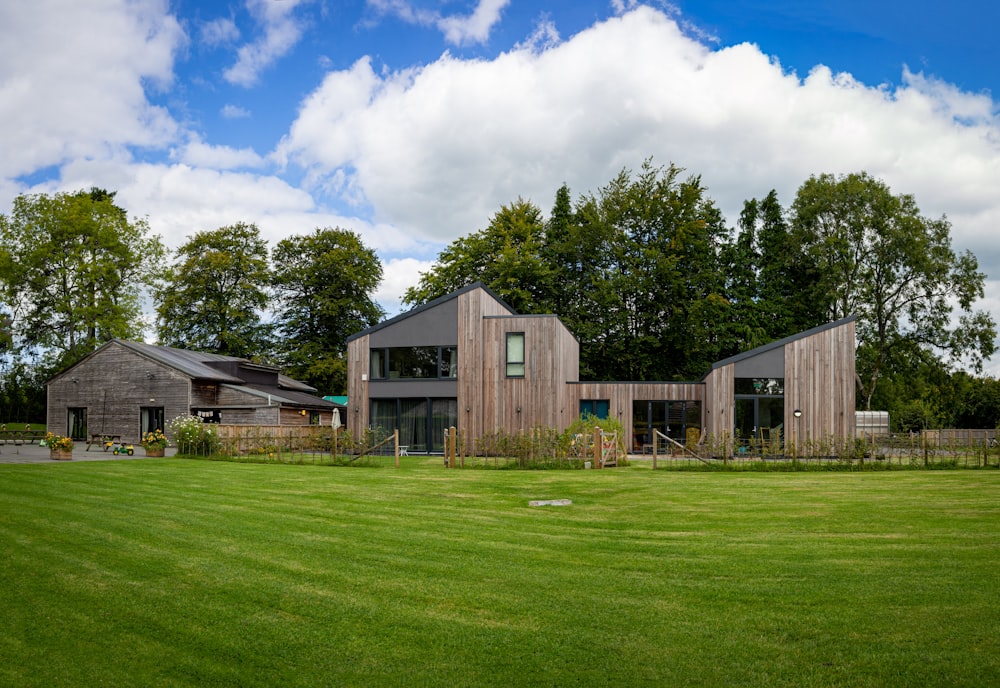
(720, 388)
(620, 396)
(819, 381)
(113, 385)
(357, 385)
(473, 399)
(541, 397)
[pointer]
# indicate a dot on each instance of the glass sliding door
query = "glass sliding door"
(421, 421)
(444, 414)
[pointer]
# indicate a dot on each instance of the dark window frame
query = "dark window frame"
(513, 367)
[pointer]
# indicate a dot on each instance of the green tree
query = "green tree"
(506, 257)
(771, 284)
(650, 288)
(72, 270)
(214, 295)
(324, 283)
(879, 259)
(633, 271)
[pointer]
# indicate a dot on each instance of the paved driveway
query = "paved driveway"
(32, 453)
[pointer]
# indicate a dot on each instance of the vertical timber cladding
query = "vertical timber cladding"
(720, 390)
(541, 397)
(819, 381)
(357, 385)
(479, 361)
(620, 396)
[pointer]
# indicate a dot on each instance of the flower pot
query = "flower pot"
(61, 454)
(154, 451)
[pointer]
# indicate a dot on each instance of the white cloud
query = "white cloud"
(457, 29)
(282, 30)
(474, 28)
(230, 111)
(398, 275)
(219, 31)
(440, 148)
(69, 91)
(198, 154)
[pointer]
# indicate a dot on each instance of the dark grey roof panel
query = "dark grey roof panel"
(430, 304)
(191, 363)
(781, 342)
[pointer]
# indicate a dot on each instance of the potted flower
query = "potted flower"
(60, 448)
(154, 442)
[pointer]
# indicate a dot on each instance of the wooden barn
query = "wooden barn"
(468, 360)
(125, 389)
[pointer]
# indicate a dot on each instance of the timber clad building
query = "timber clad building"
(129, 388)
(468, 360)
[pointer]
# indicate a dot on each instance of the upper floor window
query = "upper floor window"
(515, 354)
(762, 386)
(413, 363)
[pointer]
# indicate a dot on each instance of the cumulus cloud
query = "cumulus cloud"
(219, 31)
(200, 154)
(457, 29)
(282, 29)
(230, 111)
(440, 148)
(67, 91)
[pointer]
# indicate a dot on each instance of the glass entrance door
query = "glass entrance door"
(758, 423)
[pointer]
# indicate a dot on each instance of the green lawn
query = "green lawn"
(194, 573)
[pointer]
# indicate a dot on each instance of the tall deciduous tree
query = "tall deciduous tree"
(506, 257)
(72, 269)
(881, 260)
(214, 296)
(324, 283)
(633, 271)
(772, 286)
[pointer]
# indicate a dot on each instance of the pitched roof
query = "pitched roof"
(201, 365)
(430, 304)
(782, 342)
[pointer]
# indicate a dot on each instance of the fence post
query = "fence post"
(395, 444)
(451, 446)
(597, 447)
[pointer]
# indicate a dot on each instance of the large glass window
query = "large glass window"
(515, 354)
(767, 386)
(678, 420)
(421, 422)
(449, 361)
(413, 363)
(760, 413)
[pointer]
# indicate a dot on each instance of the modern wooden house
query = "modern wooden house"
(468, 360)
(128, 388)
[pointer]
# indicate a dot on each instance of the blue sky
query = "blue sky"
(412, 121)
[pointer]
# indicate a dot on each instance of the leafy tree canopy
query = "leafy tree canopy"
(214, 295)
(878, 258)
(324, 284)
(72, 270)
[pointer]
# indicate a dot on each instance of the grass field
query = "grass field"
(196, 573)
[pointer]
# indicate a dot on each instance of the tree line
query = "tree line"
(644, 272)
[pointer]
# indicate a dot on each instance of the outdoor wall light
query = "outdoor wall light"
(797, 413)
(74, 381)
(518, 409)
(149, 375)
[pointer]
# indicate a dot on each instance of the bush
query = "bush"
(193, 436)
